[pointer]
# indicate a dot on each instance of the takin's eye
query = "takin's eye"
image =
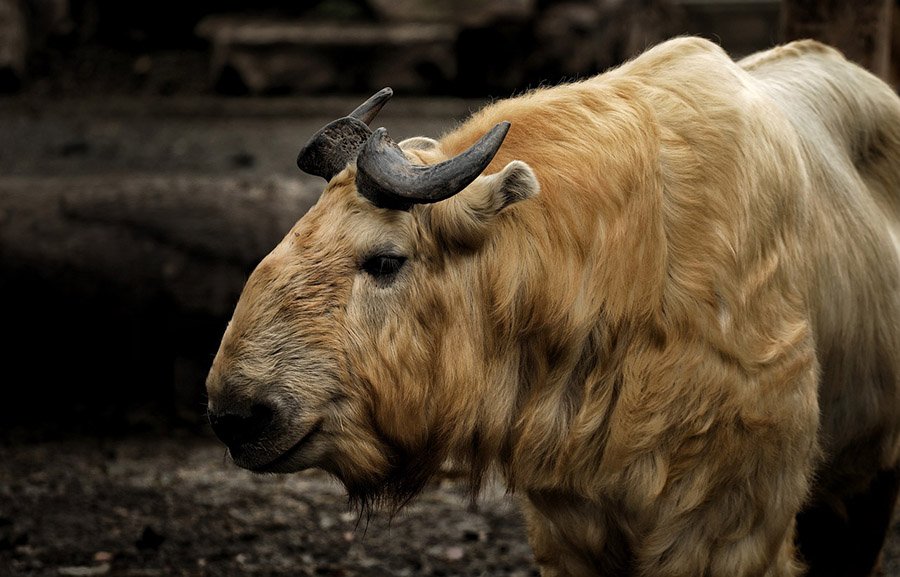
(383, 266)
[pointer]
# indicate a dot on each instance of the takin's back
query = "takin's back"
(849, 127)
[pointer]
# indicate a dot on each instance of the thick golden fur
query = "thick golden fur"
(691, 329)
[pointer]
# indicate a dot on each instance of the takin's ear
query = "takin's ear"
(421, 149)
(418, 143)
(514, 183)
(465, 219)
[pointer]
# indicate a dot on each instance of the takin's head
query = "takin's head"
(358, 343)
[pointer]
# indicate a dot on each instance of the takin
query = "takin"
(662, 304)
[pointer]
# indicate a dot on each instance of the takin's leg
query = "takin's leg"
(725, 538)
(844, 538)
(573, 537)
(721, 539)
(694, 552)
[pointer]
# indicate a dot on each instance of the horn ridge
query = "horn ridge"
(388, 179)
(336, 144)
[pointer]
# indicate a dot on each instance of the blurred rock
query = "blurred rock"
(13, 44)
(454, 553)
(275, 56)
(189, 240)
(84, 571)
(467, 12)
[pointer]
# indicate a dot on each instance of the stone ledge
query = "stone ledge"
(262, 57)
(320, 34)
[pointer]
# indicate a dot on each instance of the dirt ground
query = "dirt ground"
(176, 506)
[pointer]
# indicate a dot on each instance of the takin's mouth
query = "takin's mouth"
(283, 462)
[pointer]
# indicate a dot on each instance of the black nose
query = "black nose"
(235, 430)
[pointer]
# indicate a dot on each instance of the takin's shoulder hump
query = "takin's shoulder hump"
(682, 62)
(678, 52)
(792, 51)
(686, 45)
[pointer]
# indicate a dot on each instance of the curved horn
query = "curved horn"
(333, 147)
(388, 179)
(368, 110)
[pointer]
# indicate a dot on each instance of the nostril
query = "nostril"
(235, 430)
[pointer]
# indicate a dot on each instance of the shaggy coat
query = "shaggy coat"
(668, 314)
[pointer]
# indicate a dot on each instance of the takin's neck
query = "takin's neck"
(532, 394)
